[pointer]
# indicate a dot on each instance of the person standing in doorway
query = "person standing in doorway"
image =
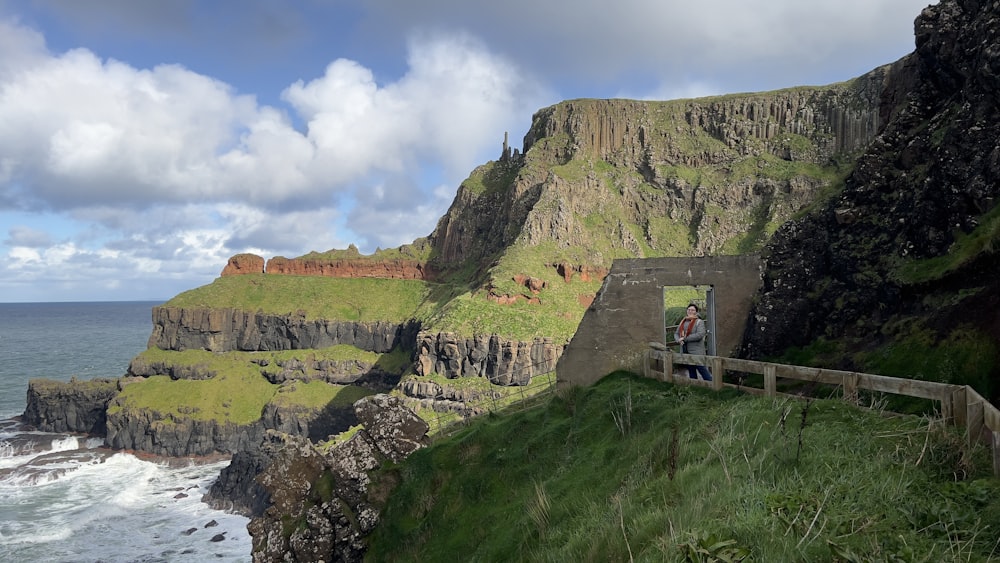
(690, 334)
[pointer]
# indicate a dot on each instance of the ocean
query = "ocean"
(66, 498)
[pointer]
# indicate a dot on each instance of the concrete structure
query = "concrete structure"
(627, 313)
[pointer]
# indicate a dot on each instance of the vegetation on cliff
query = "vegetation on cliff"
(637, 470)
(905, 255)
(598, 180)
(352, 299)
(232, 387)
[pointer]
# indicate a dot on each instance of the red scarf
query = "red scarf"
(686, 326)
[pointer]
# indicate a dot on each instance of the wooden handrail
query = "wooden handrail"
(960, 404)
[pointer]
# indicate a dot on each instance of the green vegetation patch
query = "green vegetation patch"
(318, 394)
(349, 299)
(557, 314)
(964, 356)
(238, 392)
(910, 350)
(637, 470)
(418, 250)
(984, 239)
(492, 398)
(236, 396)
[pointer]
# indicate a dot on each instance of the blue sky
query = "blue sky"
(143, 143)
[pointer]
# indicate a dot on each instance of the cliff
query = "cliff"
(75, 406)
(905, 251)
(330, 496)
(222, 330)
(601, 179)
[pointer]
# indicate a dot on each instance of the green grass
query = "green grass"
(909, 350)
(637, 470)
(238, 391)
(350, 299)
(418, 250)
(238, 398)
(318, 394)
(984, 239)
(492, 398)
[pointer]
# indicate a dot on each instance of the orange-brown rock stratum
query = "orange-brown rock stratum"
(244, 264)
(398, 269)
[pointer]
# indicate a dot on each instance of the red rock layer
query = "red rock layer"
(389, 269)
(244, 264)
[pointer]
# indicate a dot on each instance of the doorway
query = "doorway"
(676, 299)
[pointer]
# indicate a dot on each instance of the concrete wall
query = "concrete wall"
(627, 313)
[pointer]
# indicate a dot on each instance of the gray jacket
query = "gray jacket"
(696, 340)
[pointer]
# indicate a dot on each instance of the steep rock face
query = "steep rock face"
(340, 372)
(315, 424)
(398, 269)
(244, 264)
(931, 173)
(222, 330)
(75, 406)
(173, 435)
(183, 435)
(503, 361)
(237, 489)
(601, 179)
(326, 496)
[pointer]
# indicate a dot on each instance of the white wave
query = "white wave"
(142, 509)
(65, 444)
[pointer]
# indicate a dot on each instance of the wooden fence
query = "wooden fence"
(959, 404)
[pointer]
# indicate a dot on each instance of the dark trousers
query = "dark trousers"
(693, 371)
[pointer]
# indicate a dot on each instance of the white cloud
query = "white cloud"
(164, 170)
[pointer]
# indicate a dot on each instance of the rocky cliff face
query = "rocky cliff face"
(501, 360)
(75, 406)
(222, 330)
(312, 506)
(398, 269)
(929, 177)
(244, 264)
(621, 178)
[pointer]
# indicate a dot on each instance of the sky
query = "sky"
(144, 142)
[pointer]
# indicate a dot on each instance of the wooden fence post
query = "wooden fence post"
(959, 406)
(770, 380)
(851, 388)
(996, 453)
(718, 371)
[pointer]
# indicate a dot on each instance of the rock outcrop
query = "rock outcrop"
(398, 269)
(244, 264)
(74, 406)
(222, 330)
(501, 360)
(339, 372)
(150, 431)
(928, 178)
(601, 179)
(310, 506)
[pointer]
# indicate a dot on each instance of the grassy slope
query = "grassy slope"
(637, 469)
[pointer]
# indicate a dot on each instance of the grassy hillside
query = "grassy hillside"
(633, 469)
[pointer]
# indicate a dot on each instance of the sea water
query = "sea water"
(67, 498)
